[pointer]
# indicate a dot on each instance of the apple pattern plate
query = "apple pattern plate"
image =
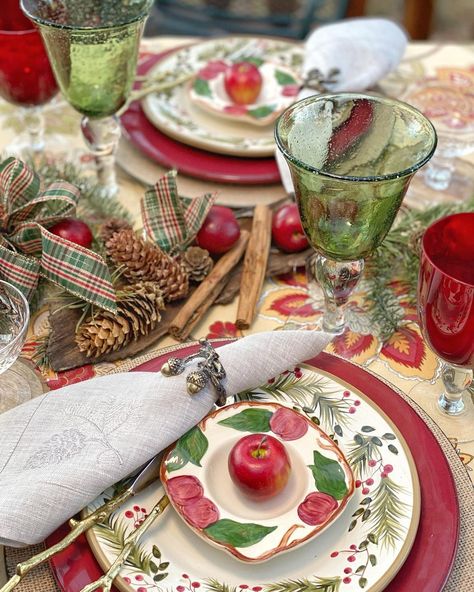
(279, 89)
(363, 549)
(175, 114)
(195, 476)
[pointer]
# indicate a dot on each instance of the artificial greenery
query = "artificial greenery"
(398, 259)
(94, 206)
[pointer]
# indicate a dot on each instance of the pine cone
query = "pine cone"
(142, 260)
(137, 315)
(197, 263)
(111, 226)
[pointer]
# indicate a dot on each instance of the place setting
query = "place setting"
(201, 391)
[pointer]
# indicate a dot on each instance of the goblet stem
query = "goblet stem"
(102, 137)
(34, 123)
(337, 280)
(439, 172)
(456, 380)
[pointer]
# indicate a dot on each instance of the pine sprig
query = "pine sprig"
(306, 585)
(387, 510)
(94, 206)
(399, 258)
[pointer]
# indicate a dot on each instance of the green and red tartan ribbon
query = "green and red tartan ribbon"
(169, 220)
(28, 249)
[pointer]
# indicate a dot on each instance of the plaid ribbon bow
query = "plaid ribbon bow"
(170, 220)
(28, 249)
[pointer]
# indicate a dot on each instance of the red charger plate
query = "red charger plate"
(187, 159)
(431, 558)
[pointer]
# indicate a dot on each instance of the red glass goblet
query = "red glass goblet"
(446, 305)
(26, 78)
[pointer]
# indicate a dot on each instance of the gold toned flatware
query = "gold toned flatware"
(105, 582)
(148, 474)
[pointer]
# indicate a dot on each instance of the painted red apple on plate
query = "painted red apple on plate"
(259, 466)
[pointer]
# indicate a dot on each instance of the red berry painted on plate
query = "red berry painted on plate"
(259, 466)
(243, 83)
(219, 232)
(73, 230)
(287, 231)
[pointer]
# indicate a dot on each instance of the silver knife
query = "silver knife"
(148, 473)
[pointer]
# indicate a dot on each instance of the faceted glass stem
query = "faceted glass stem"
(337, 280)
(102, 137)
(34, 123)
(455, 380)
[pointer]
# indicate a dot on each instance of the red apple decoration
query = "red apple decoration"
(219, 232)
(287, 231)
(73, 230)
(259, 466)
(243, 82)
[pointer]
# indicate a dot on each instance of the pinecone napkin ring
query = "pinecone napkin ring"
(209, 370)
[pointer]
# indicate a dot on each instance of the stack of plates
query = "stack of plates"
(386, 538)
(176, 131)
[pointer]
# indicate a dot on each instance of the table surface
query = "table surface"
(405, 360)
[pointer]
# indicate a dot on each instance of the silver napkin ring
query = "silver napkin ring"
(210, 369)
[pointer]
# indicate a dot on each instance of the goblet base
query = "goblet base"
(18, 385)
(455, 425)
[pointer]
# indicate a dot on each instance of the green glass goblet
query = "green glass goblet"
(93, 49)
(351, 158)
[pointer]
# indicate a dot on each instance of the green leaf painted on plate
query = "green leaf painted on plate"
(329, 476)
(249, 420)
(261, 112)
(192, 446)
(251, 59)
(238, 534)
(176, 461)
(201, 87)
(283, 78)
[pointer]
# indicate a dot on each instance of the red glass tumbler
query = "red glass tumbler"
(446, 303)
(26, 77)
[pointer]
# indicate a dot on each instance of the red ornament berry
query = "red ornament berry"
(346, 394)
(141, 589)
(185, 576)
(136, 508)
(369, 481)
(287, 231)
(372, 463)
(128, 514)
(139, 578)
(352, 409)
(358, 483)
(388, 468)
(73, 230)
(143, 510)
(219, 232)
(196, 585)
(347, 580)
(257, 588)
(353, 547)
(243, 586)
(347, 570)
(351, 558)
(365, 490)
(334, 554)
(357, 403)
(180, 588)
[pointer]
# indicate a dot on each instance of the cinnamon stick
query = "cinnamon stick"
(255, 265)
(196, 306)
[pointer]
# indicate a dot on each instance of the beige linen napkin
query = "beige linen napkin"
(364, 50)
(60, 450)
